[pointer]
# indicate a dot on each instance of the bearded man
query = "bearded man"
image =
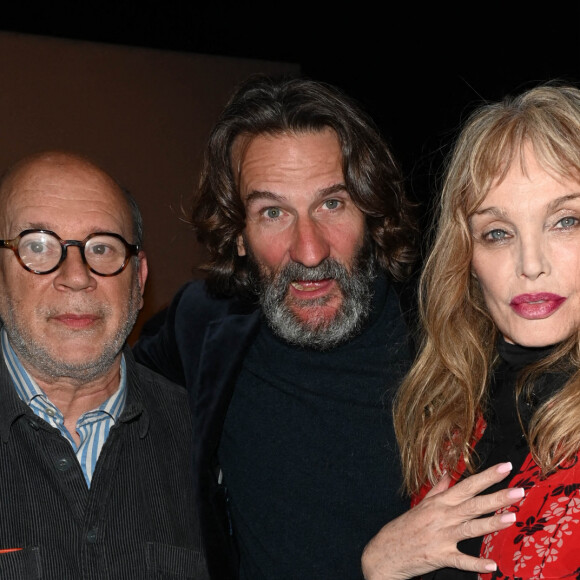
(293, 344)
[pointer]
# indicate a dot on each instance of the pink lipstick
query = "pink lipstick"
(536, 306)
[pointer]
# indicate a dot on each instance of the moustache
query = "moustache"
(77, 309)
(330, 268)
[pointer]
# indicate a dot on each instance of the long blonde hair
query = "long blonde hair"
(439, 401)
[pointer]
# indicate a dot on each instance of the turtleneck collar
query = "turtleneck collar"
(516, 357)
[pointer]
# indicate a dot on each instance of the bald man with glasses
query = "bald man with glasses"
(95, 450)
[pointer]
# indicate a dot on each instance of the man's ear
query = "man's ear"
(142, 271)
(241, 246)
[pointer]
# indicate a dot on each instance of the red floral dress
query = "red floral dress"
(544, 542)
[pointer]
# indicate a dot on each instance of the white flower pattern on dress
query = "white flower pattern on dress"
(540, 544)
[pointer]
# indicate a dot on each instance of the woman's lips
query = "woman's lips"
(536, 306)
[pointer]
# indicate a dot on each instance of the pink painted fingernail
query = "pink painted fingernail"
(504, 467)
(491, 567)
(516, 492)
(508, 518)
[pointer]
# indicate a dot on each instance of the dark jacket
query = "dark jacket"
(198, 329)
(135, 522)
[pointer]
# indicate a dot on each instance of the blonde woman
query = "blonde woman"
(496, 385)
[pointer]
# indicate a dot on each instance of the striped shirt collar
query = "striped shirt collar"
(28, 389)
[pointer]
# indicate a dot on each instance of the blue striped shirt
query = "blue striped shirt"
(92, 427)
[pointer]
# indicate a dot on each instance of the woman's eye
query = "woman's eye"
(495, 235)
(568, 222)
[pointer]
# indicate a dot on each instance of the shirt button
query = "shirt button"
(50, 412)
(92, 536)
(63, 463)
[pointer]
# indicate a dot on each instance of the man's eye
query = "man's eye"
(332, 203)
(37, 247)
(273, 212)
(99, 249)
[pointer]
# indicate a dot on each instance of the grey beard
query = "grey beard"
(356, 288)
(34, 355)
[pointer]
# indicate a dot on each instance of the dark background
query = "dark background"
(417, 69)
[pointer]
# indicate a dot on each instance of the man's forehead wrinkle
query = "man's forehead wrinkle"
(28, 193)
(71, 175)
(244, 141)
(257, 194)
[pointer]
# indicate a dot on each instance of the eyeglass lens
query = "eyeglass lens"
(42, 252)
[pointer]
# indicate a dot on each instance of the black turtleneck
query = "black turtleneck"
(311, 431)
(504, 439)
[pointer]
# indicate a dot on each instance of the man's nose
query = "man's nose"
(73, 273)
(309, 243)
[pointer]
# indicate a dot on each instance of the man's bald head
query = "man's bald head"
(57, 161)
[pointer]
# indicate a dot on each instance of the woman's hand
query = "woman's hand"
(425, 538)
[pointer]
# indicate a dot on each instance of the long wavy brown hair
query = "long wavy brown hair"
(267, 105)
(446, 389)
